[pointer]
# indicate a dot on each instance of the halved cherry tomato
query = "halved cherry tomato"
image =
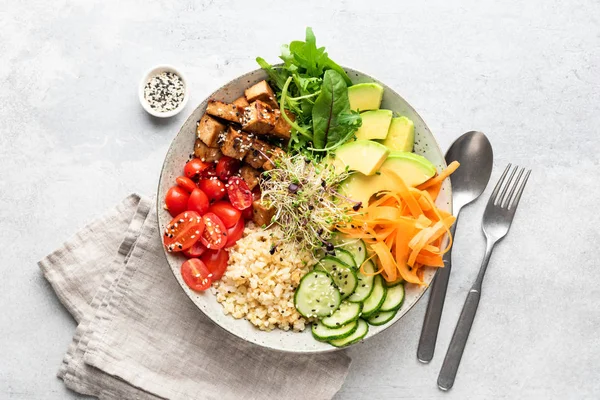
(195, 251)
(186, 184)
(214, 236)
(183, 231)
(235, 232)
(194, 168)
(176, 200)
(196, 275)
(227, 167)
(198, 202)
(213, 187)
(228, 213)
(216, 262)
(239, 194)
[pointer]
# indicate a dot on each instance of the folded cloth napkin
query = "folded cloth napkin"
(140, 337)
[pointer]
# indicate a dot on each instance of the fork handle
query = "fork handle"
(463, 327)
(459, 341)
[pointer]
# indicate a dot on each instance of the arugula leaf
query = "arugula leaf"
(276, 76)
(333, 122)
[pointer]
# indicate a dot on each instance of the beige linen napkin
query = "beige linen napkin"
(140, 337)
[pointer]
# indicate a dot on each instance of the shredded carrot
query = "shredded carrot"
(441, 176)
(404, 230)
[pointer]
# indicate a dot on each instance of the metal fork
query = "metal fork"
(497, 218)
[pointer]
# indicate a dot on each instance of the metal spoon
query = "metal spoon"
(474, 153)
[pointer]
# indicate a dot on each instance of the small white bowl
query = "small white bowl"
(159, 69)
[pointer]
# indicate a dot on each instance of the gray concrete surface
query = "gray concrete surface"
(74, 141)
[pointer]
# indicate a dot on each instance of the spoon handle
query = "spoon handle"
(431, 323)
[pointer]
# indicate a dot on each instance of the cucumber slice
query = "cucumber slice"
(356, 247)
(316, 295)
(319, 267)
(345, 257)
(347, 312)
(376, 298)
(323, 333)
(365, 283)
(360, 332)
(343, 275)
(382, 317)
(393, 298)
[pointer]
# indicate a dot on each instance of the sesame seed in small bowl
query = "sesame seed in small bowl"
(163, 91)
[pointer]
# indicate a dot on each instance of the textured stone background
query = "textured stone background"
(74, 141)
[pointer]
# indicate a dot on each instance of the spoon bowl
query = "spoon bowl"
(474, 152)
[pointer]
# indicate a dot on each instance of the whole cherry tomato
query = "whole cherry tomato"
(176, 200)
(194, 168)
(228, 213)
(235, 233)
(213, 187)
(247, 214)
(216, 262)
(186, 183)
(227, 167)
(198, 202)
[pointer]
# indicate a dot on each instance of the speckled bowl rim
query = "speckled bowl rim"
(329, 349)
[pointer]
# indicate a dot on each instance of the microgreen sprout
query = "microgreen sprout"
(306, 199)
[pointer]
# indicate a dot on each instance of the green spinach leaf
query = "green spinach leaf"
(333, 122)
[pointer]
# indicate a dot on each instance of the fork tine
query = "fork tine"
(508, 183)
(498, 185)
(504, 203)
(515, 201)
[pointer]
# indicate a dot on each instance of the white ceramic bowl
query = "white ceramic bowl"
(182, 146)
(159, 69)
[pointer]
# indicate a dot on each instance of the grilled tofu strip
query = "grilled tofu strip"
(241, 102)
(236, 143)
(250, 176)
(282, 129)
(258, 153)
(261, 215)
(226, 111)
(209, 129)
(258, 118)
(263, 92)
(205, 153)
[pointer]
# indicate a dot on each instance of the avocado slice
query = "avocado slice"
(375, 124)
(363, 156)
(401, 135)
(412, 168)
(365, 96)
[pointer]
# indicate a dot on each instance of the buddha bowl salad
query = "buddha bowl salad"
(304, 204)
